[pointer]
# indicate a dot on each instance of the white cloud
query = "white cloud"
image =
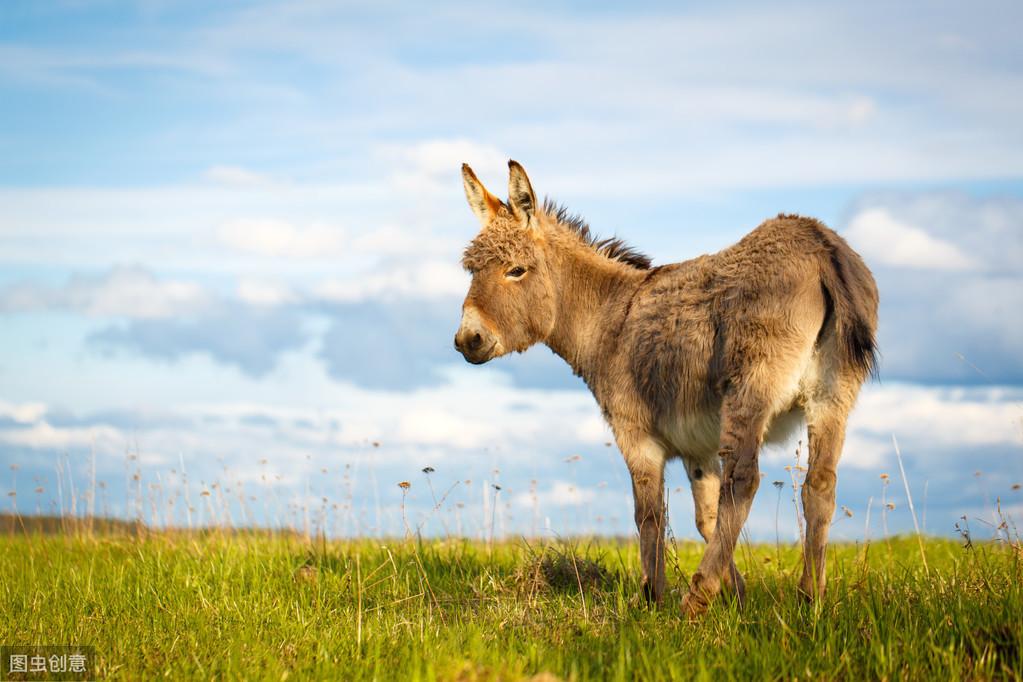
(124, 291)
(397, 281)
(947, 265)
(558, 494)
(264, 292)
(280, 239)
(330, 245)
(881, 238)
(43, 436)
(434, 426)
(433, 166)
(951, 417)
(925, 419)
(235, 176)
(25, 413)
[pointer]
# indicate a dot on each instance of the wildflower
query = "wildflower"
(428, 470)
(376, 443)
(39, 489)
(404, 485)
(1016, 486)
(848, 512)
(891, 505)
(496, 487)
(778, 484)
(607, 444)
(884, 477)
(12, 494)
(205, 493)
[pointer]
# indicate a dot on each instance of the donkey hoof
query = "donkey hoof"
(732, 582)
(739, 586)
(650, 595)
(809, 594)
(693, 606)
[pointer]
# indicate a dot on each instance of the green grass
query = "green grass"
(259, 607)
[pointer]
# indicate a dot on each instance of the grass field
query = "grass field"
(248, 605)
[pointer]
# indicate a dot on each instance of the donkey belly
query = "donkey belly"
(784, 426)
(694, 436)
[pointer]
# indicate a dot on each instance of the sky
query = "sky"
(230, 237)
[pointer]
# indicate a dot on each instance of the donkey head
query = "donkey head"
(510, 304)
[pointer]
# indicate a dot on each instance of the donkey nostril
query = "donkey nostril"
(475, 342)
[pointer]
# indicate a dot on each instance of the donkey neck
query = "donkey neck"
(591, 295)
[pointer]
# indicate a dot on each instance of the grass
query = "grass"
(260, 606)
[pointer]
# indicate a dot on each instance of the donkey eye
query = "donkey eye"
(515, 272)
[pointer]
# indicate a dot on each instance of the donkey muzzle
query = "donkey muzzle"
(473, 340)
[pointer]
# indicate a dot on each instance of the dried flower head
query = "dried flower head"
(884, 477)
(404, 485)
(428, 470)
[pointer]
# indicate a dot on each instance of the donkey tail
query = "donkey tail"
(850, 289)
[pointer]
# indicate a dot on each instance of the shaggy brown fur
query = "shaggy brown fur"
(703, 360)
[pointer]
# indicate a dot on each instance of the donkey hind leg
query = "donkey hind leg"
(645, 460)
(826, 433)
(705, 480)
(742, 424)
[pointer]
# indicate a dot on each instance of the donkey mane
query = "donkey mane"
(612, 247)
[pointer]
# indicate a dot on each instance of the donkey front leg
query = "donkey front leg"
(742, 427)
(645, 460)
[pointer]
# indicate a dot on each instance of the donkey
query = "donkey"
(703, 360)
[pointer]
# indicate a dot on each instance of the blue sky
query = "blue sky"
(230, 234)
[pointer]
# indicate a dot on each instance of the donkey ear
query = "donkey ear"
(484, 204)
(520, 192)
